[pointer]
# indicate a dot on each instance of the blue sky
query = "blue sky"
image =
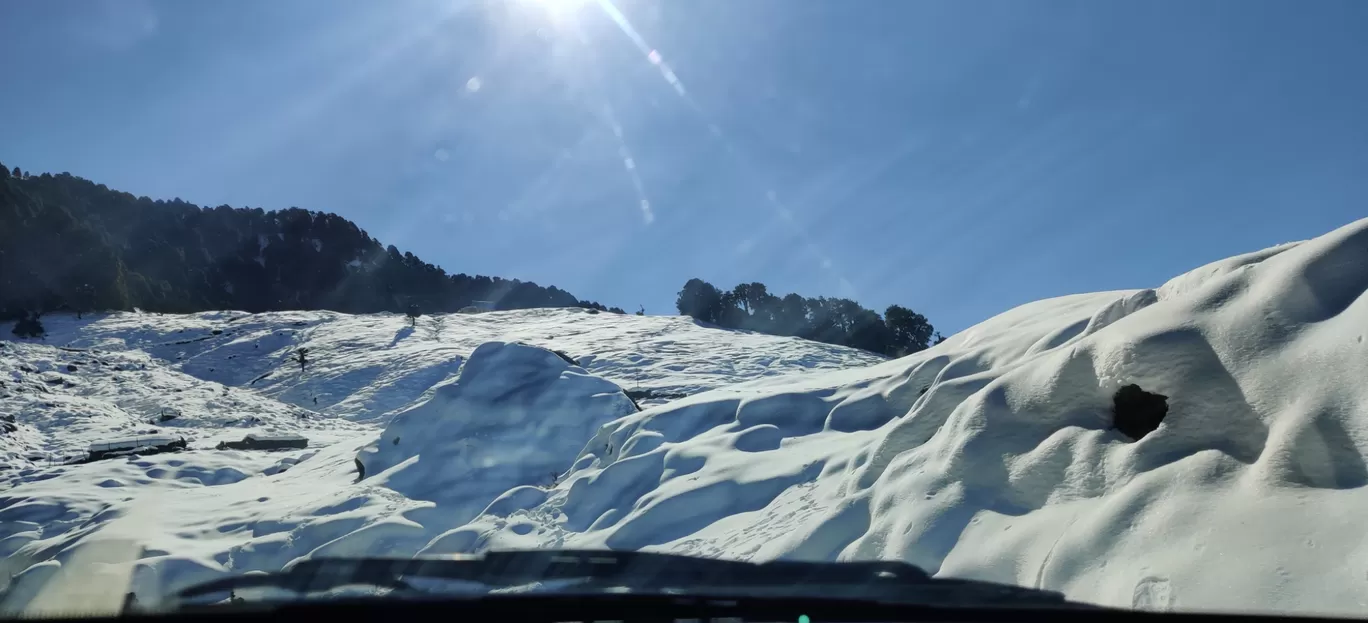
(957, 157)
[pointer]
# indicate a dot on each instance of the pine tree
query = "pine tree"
(59, 233)
(85, 299)
(29, 326)
(910, 330)
(700, 300)
(831, 320)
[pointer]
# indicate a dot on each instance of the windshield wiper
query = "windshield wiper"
(599, 571)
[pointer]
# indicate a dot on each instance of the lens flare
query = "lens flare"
(559, 10)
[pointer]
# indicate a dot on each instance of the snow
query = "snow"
(517, 416)
(265, 437)
(234, 511)
(59, 412)
(988, 456)
(129, 443)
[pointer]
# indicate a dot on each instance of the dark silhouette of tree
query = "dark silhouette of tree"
(831, 320)
(641, 310)
(699, 299)
(828, 322)
(792, 315)
(413, 313)
(29, 326)
(742, 295)
(758, 309)
(910, 330)
(59, 233)
(868, 331)
(302, 356)
(85, 299)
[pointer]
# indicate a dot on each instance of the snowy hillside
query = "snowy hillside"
(366, 366)
(61, 400)
(991, 455)
(223, 375)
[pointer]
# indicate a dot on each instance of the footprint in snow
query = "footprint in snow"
(1153, 593)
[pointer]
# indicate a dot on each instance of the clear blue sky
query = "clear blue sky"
(957, 157)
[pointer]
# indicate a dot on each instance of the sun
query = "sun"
(559, 9)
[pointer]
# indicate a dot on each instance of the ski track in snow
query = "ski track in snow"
(989, 456)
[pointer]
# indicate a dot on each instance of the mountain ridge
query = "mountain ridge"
(68, 243)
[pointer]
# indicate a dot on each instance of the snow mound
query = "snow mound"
(516, 415)
(992, 455)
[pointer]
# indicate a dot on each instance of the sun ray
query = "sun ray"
(781, 211)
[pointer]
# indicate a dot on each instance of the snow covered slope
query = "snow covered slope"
(990, 455)
(364, 367)
(228, 374)
(59, 401)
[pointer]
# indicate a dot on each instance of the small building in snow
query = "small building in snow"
(261, 441)
(142, 444)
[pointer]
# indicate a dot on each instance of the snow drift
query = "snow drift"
(992, 455)
(516, 415)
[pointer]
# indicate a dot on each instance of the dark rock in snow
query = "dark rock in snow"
(142, 446)
(1136, 412)
(71, 367)
(566, 357)
(265, 442)
(651, 394)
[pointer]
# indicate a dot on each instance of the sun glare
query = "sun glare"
(559, 9)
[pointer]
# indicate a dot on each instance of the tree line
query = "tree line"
(899, 331)
(69, 244)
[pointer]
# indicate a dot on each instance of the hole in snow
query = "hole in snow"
(1137, 412)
